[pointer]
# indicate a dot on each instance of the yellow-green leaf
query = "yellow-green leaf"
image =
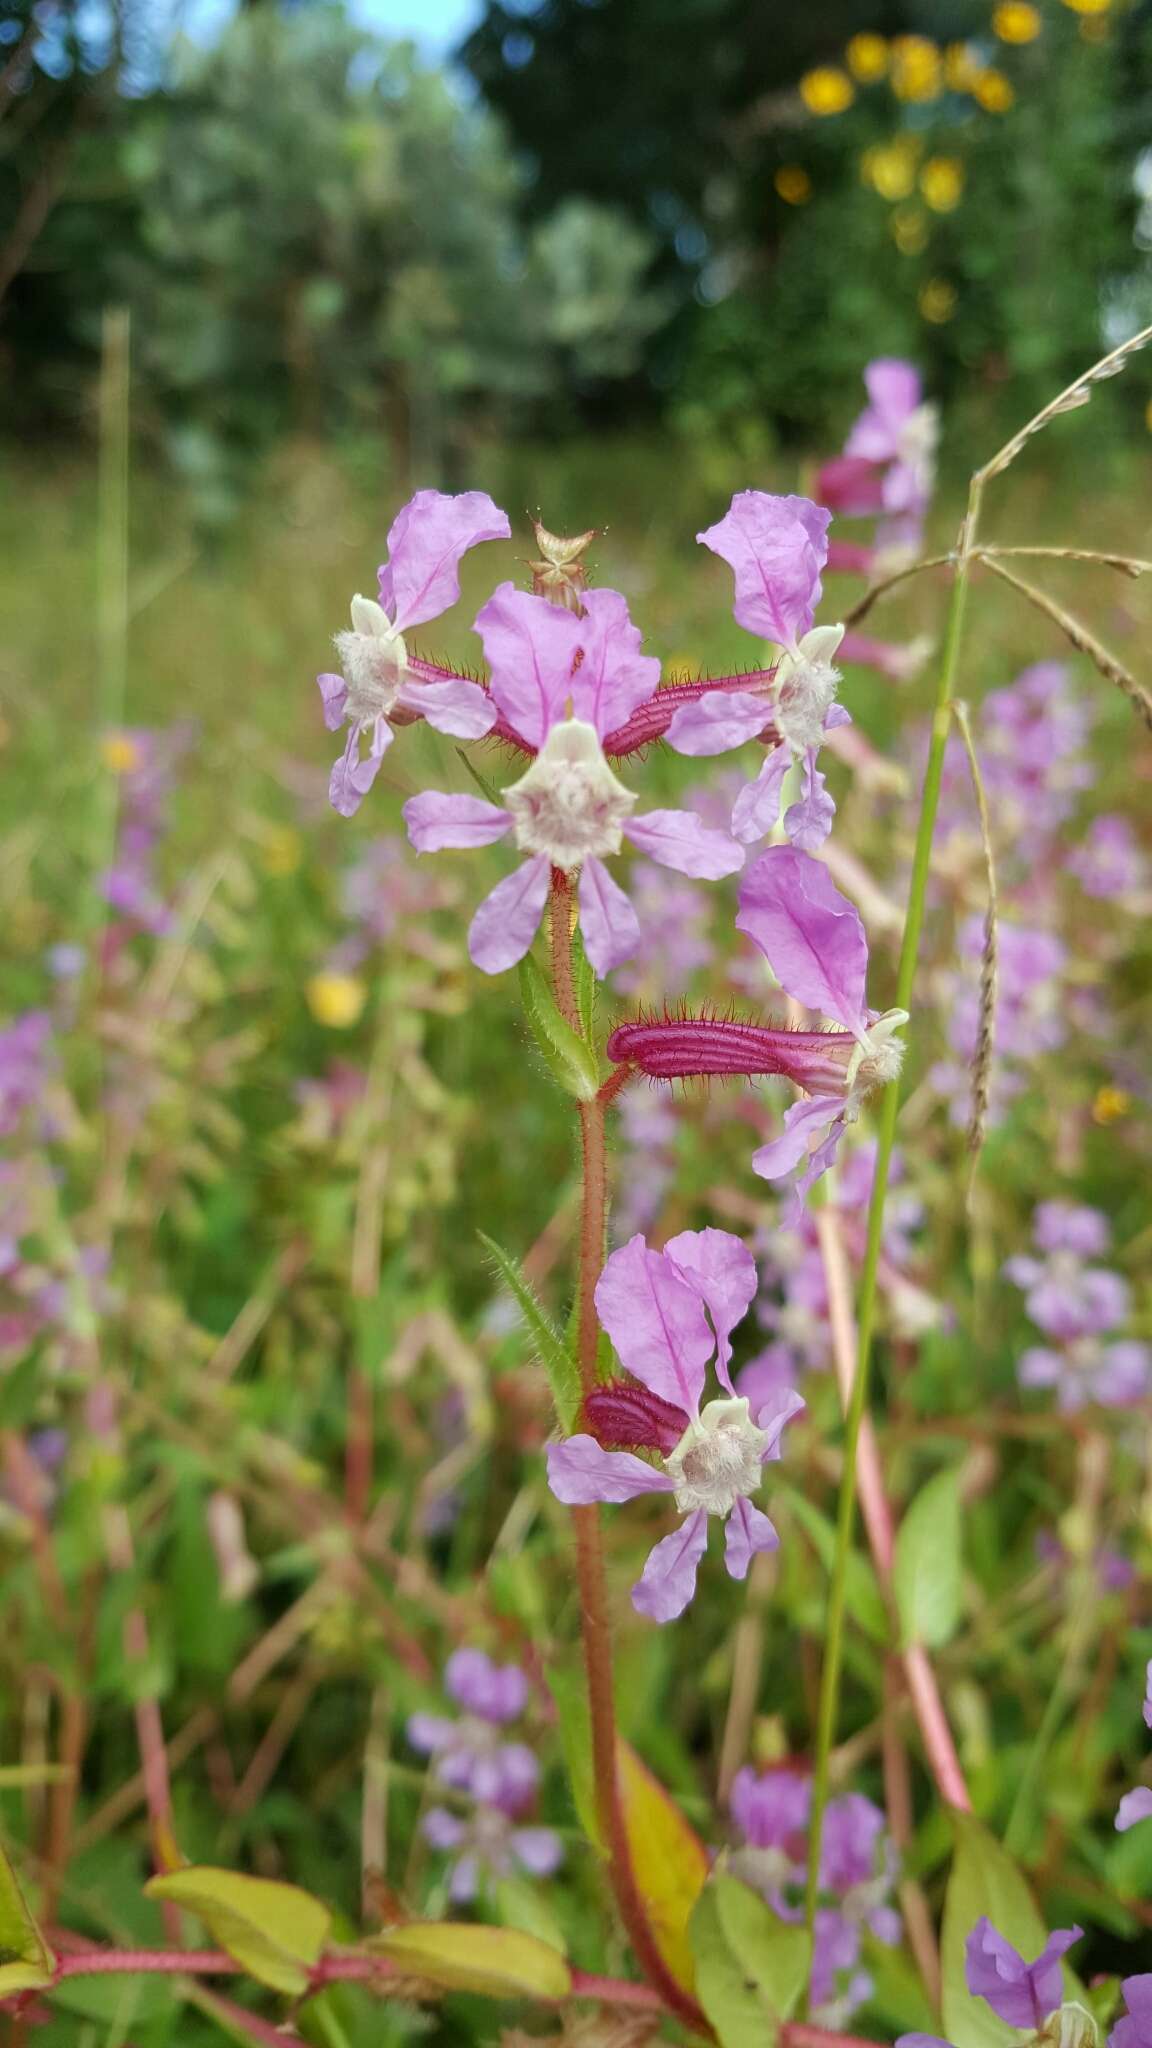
(669, 1861)
(274, 1931)
(751, 1967)
(498, 1962)
(983, 1879)
(26, 1961)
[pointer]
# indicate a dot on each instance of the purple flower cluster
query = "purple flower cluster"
(1078, 1307)
(857, 1871)
(1111, 865)
(669, 1315)
(501, 1778)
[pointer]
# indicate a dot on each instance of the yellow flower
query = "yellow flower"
(793, 184)
(890, 167)
(867, 58)
(917, 70)
(826, 90)
(280, 851)
(909, 230)
(961, 68)
(120, 752)
(1016, 21)
(1088, 6)
(942, 183)
(994, 92)
(336, 999)
(937, 300)
(1110, 1105)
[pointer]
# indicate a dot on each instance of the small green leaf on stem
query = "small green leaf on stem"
(26, 1961)
(563, 1377)
(571, 1062)
(497, 1962)
(569, 1690)
(669, 1861)
(751, 1968)
(927, 1576)
(274, 1931)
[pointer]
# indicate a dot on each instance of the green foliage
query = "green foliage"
(569, 1058)
(548, 1345)
(751, 1967)
(927, 1574)
(983, 1880)
(276, 1932)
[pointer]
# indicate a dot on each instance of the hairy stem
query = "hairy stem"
(595, 1626)
(889, 1110)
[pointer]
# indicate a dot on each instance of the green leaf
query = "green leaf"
(570, 1691)
(499, 1962)
(586, 986)
(274, 1931)
(563, 1376)
(926, 1577)
(669, 1861)
(486, 788)
(983, 1879)
(751, 1967)
(865, 1604)
(26, 1961)
(572, 1064)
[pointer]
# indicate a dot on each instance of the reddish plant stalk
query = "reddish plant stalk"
(595, 1626)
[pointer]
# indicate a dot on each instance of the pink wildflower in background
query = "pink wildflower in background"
(668, 1314)
(1077, 1306)
(419, 581)
(563, 682)
(776, 548)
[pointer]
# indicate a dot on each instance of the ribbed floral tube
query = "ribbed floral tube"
(643, 729)
(679, 1048)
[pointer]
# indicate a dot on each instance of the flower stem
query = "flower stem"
(889, 1110)
(595, 1626)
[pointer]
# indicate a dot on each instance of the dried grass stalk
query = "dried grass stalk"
(1069, 400)
(1078, 633)
(984, 1053)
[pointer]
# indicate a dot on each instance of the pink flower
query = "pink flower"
(898, 432)
(563, 683)
(656, 1308)
(776, 548)
(420, 579)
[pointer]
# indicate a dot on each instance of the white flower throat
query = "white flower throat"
(570, 805)
(719, 1459)
(805, 688)
(373, 660)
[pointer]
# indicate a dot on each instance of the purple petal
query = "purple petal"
(497, 1692)
(538, 1850)
(810, 934)
(657, 1323)
(442, 1829)
(1148, 1694)
(921, 2041)
(610, 926)
(334, 697)
(776, 548)
(454, 706)
(677, 839)
(723, 1272)
(465, 1879)
(614, 678)
(773, 1415)
(1021, 1993)
(435, 821)
(801, 1124)
(712, 724)
(508, 920)
(579, 1472)
(507, 1779)
(351, 777)
(809, 820)
(747, 1531)
(1135, 2031)
(668, 1580)
(757, 807)
(429, 1732)
(425, 543)
(1135, 1806)
(530, 646)
(895, 392)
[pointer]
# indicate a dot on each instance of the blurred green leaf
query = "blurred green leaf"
(275, 1931)
(499, 1962)
(865, 1604)
(26, 1961)
(563, 1377)
(751, 1967)
(569, 1689)
(983, 1879)
(927, 1573)
(572, 1063)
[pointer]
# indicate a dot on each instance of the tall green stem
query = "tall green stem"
(889, 1110)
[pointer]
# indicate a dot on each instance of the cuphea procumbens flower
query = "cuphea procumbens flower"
(776, 548)
(668, 1314)
(420, 579)
(563, 683)
(1025, 1995)
(1135, 2029)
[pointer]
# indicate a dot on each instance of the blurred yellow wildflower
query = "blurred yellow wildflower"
(942, 183)
(120, 752)
(937, 300)
(1016, 21)
(336, 1000)
(281, 850)
(827, 90)
(1088, 6)
(909, 230)
(867, 58)
(890, 167)
(793, 184)
(1110, 1105)
(961, 68)
(917, 69)
(994, 92)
